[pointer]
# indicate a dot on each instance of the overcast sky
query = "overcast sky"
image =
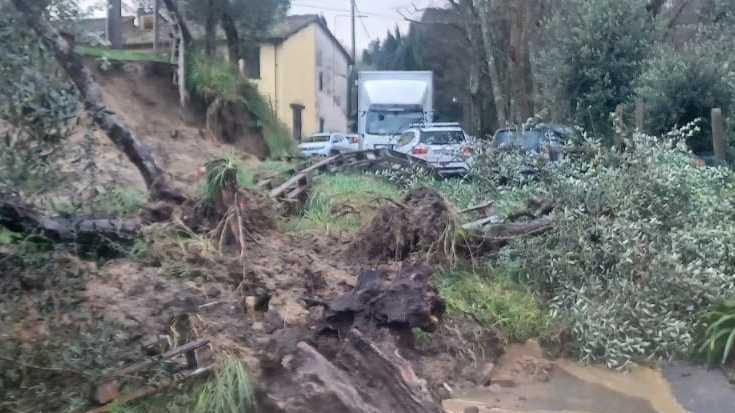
(378, 15)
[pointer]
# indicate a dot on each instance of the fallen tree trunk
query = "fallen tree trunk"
(124, 138)
(361, 378)
(20, 217)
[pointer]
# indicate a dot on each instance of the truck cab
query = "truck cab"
(391, 101)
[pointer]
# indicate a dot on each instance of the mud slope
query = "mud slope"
(146, 99)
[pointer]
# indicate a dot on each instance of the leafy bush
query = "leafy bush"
(680, 86)
(593, 52)
(719, 336)
(641, 245)
(210, 78)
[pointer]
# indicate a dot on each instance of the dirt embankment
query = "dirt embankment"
(316, 326)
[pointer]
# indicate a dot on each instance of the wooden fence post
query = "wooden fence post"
(640, 115)
(619, 127)
(718, 136)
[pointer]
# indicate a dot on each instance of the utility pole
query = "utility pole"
(351, 89)
(354, 40)
(156, 24)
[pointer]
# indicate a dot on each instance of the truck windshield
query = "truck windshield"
(390, 123)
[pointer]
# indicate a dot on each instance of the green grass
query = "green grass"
(122, 54)
(229, 392)
(494, 301)
(333, 196)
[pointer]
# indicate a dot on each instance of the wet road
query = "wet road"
(700, 390)
(676, 388)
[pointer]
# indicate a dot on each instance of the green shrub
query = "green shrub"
(494, 301)
(719, 336)
(211, 77)
(593, 52)
(680, 86)
(641, 244)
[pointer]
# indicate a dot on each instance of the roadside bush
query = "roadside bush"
(593, 52)
(642, 243)
(680, 86)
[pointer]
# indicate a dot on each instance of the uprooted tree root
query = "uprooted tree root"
(423, 222)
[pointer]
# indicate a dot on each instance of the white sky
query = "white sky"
(379, 15)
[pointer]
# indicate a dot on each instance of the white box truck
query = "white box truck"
(391, 101)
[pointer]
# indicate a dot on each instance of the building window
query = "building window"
(321, 81)
(252, 62)
(321, 124)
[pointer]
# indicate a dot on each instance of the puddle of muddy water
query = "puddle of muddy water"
(573, 388)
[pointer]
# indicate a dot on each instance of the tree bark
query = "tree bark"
(125, 139)
(20, 217)
(114, 24)
(520, 61)
(210, 29)
(482, 9)
(233, 38)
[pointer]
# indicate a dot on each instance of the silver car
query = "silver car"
(328, 144)
(445, 146)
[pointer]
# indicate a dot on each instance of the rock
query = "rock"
(213, 292)
(273, 321)
(485, 374)
(504, 382)
(472, 409)
(250, 302)
(32, 281)
(107, 392)
(155, 344)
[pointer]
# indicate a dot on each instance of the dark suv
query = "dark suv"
(542, 139)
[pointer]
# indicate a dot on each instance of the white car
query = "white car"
(445, 146)
(328, 144)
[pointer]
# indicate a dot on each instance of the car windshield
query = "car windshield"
(445, 137)
(391, 123)
(531, 140)
(317, 139)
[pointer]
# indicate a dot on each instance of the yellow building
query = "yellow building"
(303, 70)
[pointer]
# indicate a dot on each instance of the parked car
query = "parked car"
(328, 144)
(445, 146)
(542, 139)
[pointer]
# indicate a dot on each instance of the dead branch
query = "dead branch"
(151, 390)
(20, 217)
(124, 138)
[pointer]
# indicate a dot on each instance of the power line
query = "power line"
(336, 9)
(362, 22)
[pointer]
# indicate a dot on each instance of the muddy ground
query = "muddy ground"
(68, 320)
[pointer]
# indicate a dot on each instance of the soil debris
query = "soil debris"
(409, 301)
(421, 223)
